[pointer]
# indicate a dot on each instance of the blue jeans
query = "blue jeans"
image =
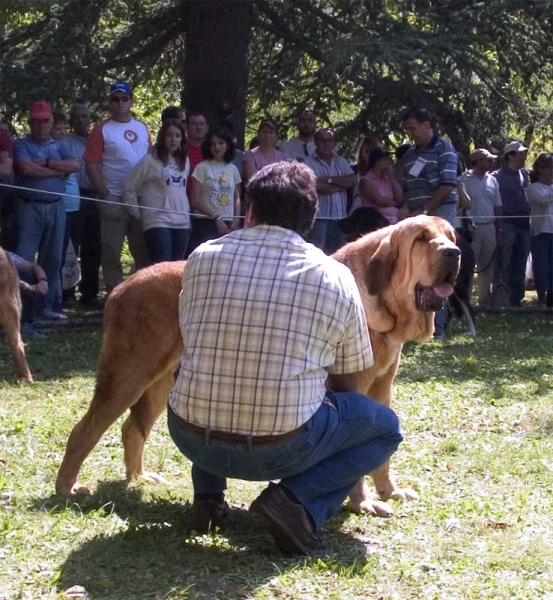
(165, 243)
(39, 228)
(326, 235)
(513, 254)
(347, 438)
(542, 261)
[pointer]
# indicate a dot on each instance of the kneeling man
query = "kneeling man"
(265, 318)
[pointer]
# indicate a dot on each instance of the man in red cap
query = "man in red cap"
(41, 166)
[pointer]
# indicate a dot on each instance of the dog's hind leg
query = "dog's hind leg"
(139, 423)
(111, 399)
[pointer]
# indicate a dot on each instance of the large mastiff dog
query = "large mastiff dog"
(404, 272)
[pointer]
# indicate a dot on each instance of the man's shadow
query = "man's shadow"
(155, 552)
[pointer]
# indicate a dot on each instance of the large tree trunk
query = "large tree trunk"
(218, 34)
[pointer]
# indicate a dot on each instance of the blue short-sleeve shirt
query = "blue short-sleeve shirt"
(440, 162)
(27, 148)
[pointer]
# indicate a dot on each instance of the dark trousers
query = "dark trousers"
(85, 235)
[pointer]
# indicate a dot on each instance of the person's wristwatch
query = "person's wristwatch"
(425, 212)
(216, 216)
(329, 181)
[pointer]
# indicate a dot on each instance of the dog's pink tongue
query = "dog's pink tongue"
(443, 290)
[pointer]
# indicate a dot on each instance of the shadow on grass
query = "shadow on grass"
(156, 556)
(65, 353)
(507, 349)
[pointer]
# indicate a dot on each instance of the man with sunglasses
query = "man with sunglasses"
(113, 147)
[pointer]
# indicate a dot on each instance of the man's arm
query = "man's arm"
(65, 166)
(41, 285)
(94, 174)
(345, 182)
(6, 164)
(438, 197)
(31, 168)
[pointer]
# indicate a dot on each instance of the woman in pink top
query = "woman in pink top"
(266, 153)
(379, 188)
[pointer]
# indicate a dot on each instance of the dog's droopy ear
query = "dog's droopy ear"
(381, 266)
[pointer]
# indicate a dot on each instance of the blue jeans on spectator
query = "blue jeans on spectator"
(513, 254)
(39, 228)
(542, 261)
(326, 235)
(202, 230)
(348, 437)
(165, 243)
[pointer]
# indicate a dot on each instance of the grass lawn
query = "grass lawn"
(478, 421)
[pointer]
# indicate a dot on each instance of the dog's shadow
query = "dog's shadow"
(153, 552)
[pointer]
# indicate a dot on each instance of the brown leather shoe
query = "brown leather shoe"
(287, 521)
(206, 515)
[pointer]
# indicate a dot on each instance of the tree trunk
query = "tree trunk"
(218, 34)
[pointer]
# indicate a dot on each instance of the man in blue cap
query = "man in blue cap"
(113, 147)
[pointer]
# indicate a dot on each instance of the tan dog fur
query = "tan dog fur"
(142, 342)
(10, 315)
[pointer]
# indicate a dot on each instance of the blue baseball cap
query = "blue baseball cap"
(120, 86)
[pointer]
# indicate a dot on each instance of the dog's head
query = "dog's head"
(406, 271)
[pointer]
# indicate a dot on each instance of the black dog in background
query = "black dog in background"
(366, 219)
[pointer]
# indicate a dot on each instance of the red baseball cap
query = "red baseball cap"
(41, 110)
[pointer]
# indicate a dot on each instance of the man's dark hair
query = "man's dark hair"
(284, 194)
(224, 134)
(160, 149)
(422, 115)
(305, 110)
(401, 151)
(229, 126)
(171, 112)
(59, 116)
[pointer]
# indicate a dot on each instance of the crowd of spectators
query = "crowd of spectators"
(94, 189)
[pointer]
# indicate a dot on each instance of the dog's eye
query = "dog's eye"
(421, 238)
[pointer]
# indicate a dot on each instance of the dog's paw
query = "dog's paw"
(401, 493)
(376, 508)
(153, 478)
(76, 489)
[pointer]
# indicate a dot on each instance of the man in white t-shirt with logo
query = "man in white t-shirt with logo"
(113, 147)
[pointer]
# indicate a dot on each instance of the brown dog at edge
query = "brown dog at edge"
(404, 272)
(10, 315)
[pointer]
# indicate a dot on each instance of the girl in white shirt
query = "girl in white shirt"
(160, 178)
(215, 189)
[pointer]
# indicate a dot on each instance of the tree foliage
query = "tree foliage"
(483, 67)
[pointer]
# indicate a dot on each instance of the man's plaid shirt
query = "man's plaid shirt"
(264, 317)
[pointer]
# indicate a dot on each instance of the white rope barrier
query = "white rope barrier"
(194, 215)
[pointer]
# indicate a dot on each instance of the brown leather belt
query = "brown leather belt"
(235, 438)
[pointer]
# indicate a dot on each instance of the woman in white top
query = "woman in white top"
(215, 189)
(160, 178)
(540, 196)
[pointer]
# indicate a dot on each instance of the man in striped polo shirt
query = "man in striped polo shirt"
(429, 178)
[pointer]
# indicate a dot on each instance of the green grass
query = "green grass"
(478, 423)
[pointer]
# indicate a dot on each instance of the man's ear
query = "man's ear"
(249, 219)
